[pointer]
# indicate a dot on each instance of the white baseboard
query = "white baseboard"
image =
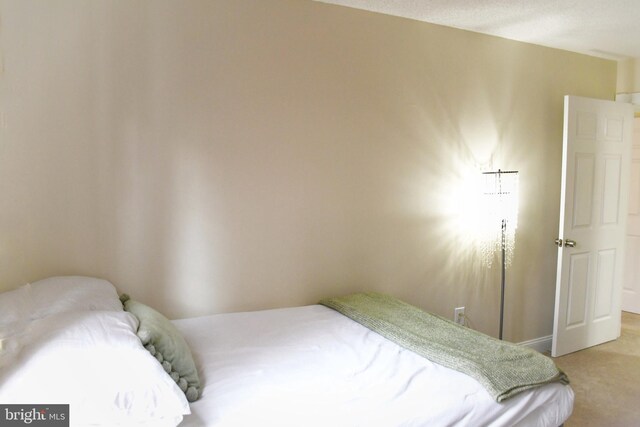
(542, 344)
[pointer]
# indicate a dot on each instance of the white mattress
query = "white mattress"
(311, 366)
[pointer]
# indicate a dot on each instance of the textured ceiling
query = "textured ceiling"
(604, 28)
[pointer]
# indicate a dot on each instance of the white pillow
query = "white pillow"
(93, 361)
(15, 308)
(72, 293)
(15, 305)
(47, 297)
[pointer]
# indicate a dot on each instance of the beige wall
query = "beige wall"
(628, 80)
(238, 155)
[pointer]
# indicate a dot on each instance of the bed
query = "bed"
(310, 366)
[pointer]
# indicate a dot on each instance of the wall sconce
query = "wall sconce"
(501, 204)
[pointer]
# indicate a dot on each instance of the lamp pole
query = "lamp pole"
(503, 245)
(506, 196)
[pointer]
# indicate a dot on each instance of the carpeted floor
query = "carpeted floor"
(606, 380)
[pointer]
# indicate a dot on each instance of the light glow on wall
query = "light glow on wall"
(475, 211)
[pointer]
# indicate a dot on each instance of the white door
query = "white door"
(593, 216)
(631, 286)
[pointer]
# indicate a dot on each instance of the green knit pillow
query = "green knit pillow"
(161, 338)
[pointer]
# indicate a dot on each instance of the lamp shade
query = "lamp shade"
(500, 190)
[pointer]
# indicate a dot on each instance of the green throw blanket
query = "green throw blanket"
(504, 369)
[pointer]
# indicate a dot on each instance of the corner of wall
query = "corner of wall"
(628, 79)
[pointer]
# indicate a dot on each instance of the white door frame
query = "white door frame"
(631, 285)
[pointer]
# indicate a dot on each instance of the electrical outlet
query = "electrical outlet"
(458, 315)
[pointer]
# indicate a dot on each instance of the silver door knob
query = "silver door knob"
(569, 243)
(558, 243)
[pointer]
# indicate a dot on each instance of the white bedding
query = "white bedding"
(311, 366)
(67, 340)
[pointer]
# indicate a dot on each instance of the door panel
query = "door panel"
(587, 125)
(614, 128)
(583, 194)
(578, 288)
(604, 285)
(611, 190)
(593, 207)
